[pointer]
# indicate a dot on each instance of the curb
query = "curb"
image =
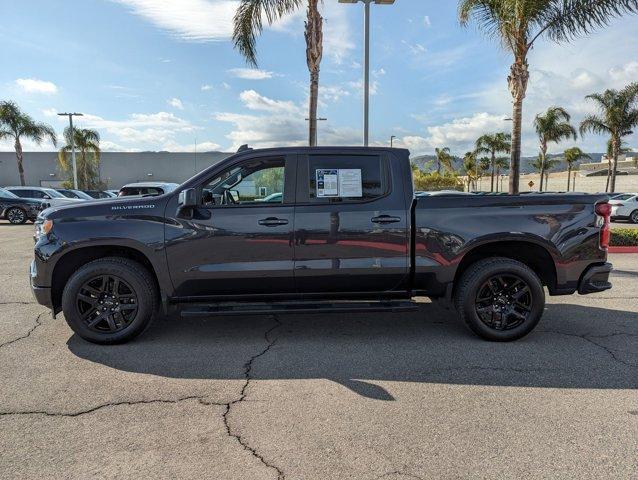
(623, 250)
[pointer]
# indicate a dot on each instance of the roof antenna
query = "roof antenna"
(244, 148)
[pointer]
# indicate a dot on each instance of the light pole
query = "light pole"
(392, 141)
(366, 63)
(75, 167)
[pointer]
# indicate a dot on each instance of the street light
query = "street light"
(366, 63)
(75, 167)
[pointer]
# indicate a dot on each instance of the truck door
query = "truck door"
(239, 241)
(351, 223)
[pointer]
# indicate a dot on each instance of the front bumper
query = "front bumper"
(42, 295)
(595, 279)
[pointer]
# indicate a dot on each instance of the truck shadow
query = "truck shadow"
(573, 347)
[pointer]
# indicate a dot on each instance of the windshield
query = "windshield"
(52, 193)
(7, 194)
(624, 196)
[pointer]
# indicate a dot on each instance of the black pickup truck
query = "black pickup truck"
(315, 229)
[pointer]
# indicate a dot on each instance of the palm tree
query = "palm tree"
(619, 116)
(493, 144)
(470, 166)
(443, 159)
(519, 24)
(248, 24)
(553, 126)
(501, 163)
(16, 125)
(571, 156)
(548, 164)
(88, 143)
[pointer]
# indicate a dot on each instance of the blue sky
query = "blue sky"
(162, 75)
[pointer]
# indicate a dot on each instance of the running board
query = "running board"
(207, 310)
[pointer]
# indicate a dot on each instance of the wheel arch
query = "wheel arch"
(72, 260)
(535, 256)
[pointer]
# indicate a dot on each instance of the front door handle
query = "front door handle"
(385, 219)
(273, 222)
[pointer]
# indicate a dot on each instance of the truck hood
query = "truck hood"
(102, 207)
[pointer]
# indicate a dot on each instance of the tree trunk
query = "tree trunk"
(615, 148)
(543, 158)
(569, 176)
(18, 148)
(517, 82)
(314, 52)
(493, 168)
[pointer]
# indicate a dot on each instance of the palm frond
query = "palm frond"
(248, 23)
(563, 20)
(593, 124)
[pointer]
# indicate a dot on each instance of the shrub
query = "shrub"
(429, 182)
(624, 237)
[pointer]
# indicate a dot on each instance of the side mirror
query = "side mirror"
(187, 198)
(235, 195)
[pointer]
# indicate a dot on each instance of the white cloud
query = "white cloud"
(173, 146)
(33, 85)
(226, 86)
(277, 123)
(49, 112)
(140, 130)
(337, 32)
(459, 134)
(254, 101)
(250, 73)
(415, 48)
(175, 103)
(194, 20)
(206, 87)
(427, 22)
(379, 73)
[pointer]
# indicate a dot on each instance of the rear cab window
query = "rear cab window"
(345, 178)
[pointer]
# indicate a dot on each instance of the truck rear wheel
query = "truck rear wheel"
(110, 300)
(500, 299)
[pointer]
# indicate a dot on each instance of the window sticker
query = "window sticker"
(327, 183)
(350, 184)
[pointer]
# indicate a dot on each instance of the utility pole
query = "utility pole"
(75, 167)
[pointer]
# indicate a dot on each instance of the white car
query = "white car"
(49, 195)
(625, 207)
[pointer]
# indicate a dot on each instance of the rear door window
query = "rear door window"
(346, 178)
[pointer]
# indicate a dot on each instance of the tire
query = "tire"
(500, 299)
(16, 216)
(110, 300)
(633, 217)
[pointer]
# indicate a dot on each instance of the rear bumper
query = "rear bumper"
(595, 279)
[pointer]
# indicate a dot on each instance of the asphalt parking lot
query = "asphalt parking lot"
(392, 396)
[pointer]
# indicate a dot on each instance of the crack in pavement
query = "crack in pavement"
(401, 473)
(31, 330)
(588, 338)
(248, 366)
(108, 405)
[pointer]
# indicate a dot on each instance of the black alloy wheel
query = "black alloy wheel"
(504, 302)
(107, 304)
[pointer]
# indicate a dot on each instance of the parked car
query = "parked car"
(18, 210)
(51, 196)
(272, 198)
(348, 235)
(146, 189)
(625, 207)
(97, 194)
(70, 193)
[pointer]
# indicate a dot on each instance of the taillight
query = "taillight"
(604, 210)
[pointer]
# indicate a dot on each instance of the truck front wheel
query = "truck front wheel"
(110, 300)
(500, 299)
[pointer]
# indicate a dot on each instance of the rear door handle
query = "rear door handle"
(385, 219)
(273, 222)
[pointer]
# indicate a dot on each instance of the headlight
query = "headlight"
(42, 228)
